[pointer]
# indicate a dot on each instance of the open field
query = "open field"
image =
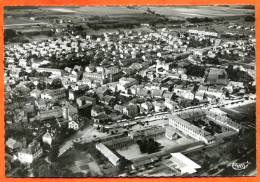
(65, 10)
(243, 113)
(122, 13)
(100, 19)
(246, 109)
(179, 12)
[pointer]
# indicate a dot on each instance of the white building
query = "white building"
(190, 129)
(108, 154)
(47, 138)
(184, 164)
(32, 152)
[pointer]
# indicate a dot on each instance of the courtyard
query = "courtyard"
(133, 151)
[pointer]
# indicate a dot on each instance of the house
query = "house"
(171, 104)
(101, 118)
(158, 107)
(109, 100)
(158, 93)
(73, 78)
(29, 154)
(202, 89)
(200, 96)
(20, 116)
(97, 110)
(146, 107)
(131, 110)
(29, 109)
(168, 95)
(185, 92)
(83, 100)
(143, 92)
(22, 62)
(114, 74)
(125, 83)
(35, 93)
(76, 124)
(69, 111)
(23, 90)
(237, 84)
(13, 144)
(171, 133)
(112, 86)
(41, 104)
(48, 137)
(118, 108)
(101, 92)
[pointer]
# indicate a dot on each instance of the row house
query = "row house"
(57, 94)
(55, 72)
(49, 114)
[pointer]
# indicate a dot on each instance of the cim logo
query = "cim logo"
(240, 166)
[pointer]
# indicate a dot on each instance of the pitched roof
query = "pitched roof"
(11, 142)
(189, 125)
(157, 92)
(109, 154)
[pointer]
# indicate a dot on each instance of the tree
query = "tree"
(195, 70)
(249, 18)
(148, 145)
(36, 164)
(43, 171)
(22, 171)
(53, 154)
(124, 164)
(41, 85)
(227, 94)
(9, 33)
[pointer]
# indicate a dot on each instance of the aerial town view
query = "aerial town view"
(129, 91)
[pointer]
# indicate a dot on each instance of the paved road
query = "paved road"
(90, 133)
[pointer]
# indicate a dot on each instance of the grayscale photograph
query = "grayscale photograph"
(129, 91)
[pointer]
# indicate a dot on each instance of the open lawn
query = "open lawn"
(131, 152)
(169, 144)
